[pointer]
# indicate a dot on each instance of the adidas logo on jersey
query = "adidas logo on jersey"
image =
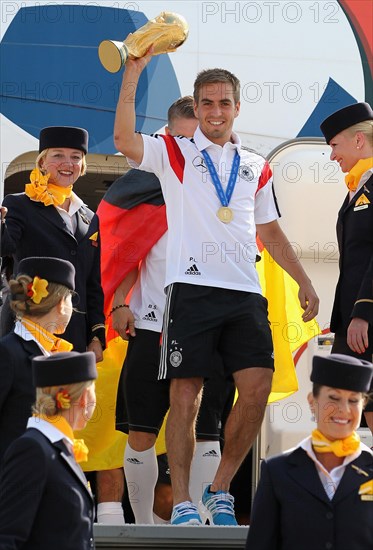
(150, 317)
(134, 461)
(193, 270)
(212, 453)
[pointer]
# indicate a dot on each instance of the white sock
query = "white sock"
(159, 520)
(110, 513)
(141, 473)
(205, 462)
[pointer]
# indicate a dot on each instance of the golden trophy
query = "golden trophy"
(166, 32)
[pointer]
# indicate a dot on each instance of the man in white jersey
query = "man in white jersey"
(217, 197)
(146, 399)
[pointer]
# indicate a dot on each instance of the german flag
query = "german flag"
(289, 331)
(132, 218)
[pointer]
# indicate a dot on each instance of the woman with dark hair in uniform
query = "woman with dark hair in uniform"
(319, 495)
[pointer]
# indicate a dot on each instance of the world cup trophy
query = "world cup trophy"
(166, 32)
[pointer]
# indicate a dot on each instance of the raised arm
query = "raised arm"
(277, 244)
(126, 140)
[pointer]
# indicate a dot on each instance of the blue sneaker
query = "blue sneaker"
(220, 505)
(185, 513)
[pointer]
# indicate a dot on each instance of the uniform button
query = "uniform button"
(73, 252)
(329, 515)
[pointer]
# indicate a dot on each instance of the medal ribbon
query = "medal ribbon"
(223, 197)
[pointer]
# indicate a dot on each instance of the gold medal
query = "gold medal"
(225, 214)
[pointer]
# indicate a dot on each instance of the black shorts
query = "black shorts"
(218, 395)
(340, 346)
(200, 320)
(143, 400)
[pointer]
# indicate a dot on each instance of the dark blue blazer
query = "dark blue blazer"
(45, 502)
(292, 511)
(17, 393)
(32, 229)
(354, 292)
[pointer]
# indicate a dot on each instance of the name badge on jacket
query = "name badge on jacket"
(362, 203)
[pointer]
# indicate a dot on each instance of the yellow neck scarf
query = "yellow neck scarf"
(340, 447)
(49, 341)
(80, 449)
(353, 178)
(39, 190)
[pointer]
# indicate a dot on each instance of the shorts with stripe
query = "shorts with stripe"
(200, 321)
(143, 400)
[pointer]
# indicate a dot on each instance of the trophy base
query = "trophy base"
(113, 55)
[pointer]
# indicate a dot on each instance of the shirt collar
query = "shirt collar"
(202, 142)
(23, 332)
(75, 204)
(26, 335)
(366, 176)
(306, 445)
(47, 429)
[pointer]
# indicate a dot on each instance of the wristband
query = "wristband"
(118, 307)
